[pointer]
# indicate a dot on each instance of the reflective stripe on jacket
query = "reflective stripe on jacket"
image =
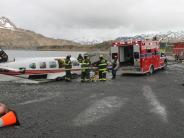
(85, 65)
(68, 64)
(102, 65)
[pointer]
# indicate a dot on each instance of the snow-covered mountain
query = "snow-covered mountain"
(171, 36)
(5, 23)
(126, 38)
(87, 41)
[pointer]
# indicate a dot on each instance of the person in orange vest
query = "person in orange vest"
(8, 116)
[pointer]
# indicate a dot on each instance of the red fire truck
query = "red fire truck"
(139, 57)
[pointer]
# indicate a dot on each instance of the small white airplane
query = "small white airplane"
(50, 68)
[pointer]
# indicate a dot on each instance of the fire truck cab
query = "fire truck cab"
(138, 57)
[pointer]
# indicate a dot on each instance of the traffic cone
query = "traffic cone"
(8, 119)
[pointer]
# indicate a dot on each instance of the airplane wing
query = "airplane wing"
(7, 69)
(16, 73)
(8, 75)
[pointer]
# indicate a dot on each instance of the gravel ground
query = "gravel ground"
(128, 107)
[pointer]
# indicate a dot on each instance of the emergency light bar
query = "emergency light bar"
(125, 43)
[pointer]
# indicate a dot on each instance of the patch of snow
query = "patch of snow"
(156, 106)
(5, 23)
(99, 110)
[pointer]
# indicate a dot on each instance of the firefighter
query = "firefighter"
(68, 67)
(85, 69)
(102, 66)
(80, 58)
(115, 66)
(177, 57)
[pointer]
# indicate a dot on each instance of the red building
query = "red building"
(178, 48)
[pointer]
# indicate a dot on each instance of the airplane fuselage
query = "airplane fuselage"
(33, 68)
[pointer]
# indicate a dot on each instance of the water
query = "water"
(22, 54)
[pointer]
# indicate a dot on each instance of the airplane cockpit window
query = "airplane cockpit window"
(42, 65)
(75, 63)
(52, 64)
(32, 66)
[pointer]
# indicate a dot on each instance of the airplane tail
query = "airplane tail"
(3, 56)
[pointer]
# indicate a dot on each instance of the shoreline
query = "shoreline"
(72, 50)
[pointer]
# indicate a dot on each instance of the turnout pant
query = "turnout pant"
(102, 75)
(85, 75)
(68, 75)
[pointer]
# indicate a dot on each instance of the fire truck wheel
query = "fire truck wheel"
(151, 70)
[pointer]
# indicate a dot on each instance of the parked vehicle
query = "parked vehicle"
(139, 57)
(178, 51)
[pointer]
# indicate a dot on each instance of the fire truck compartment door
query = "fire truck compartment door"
(136, 55)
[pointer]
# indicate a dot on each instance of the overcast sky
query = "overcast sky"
(95, 19)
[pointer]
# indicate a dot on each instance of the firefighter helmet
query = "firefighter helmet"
(86, 56)
(68, 56)
(101, 56)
